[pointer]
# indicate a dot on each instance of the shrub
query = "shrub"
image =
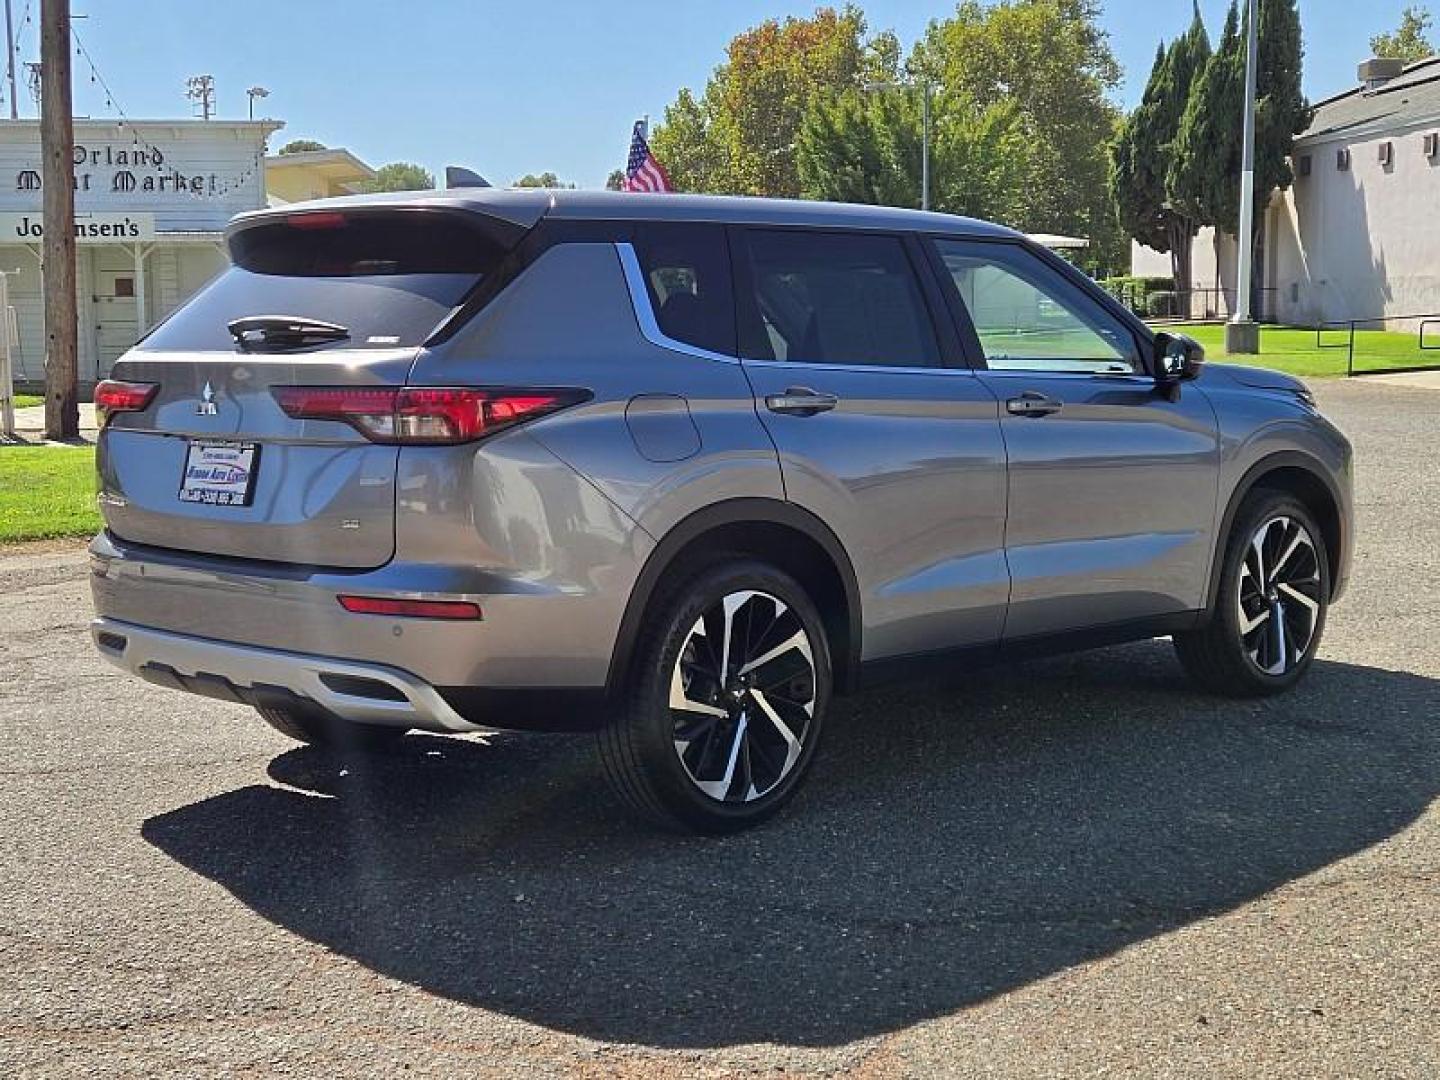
(1134, 292)
(1161, 304)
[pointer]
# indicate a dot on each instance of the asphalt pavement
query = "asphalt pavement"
(1077, 866)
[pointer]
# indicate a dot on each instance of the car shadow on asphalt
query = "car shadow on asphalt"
(955, 841)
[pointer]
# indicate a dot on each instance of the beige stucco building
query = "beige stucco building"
(1358, 234)
(314, 174)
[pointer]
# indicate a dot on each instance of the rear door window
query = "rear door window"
(834, 298)
(388, 279)
(687, 274)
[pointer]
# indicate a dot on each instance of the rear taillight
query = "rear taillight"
(113, 396)
(423, 415)
(410, 609)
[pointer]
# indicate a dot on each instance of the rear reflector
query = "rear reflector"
(423, 415)
(411, 609)
(113, 396)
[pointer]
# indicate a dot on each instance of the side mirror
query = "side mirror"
(1177, 357)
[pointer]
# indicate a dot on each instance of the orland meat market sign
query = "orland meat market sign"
(125, 171)
(192, 176)
(89, 228)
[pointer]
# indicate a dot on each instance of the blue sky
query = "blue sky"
(510, 88)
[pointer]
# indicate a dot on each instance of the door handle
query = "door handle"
(1033, 403)
(801, 401)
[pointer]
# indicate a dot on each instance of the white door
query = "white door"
(116, 324)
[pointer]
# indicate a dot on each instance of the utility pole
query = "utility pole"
(10, 60)
(925, 146)
(201, 90)
(57, 149)
(1242, 333)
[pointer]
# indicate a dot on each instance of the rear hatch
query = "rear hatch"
(333, 299)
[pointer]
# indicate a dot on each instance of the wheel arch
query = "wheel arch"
(781, 533)
(1297, 474)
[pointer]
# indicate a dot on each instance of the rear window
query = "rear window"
(389, 279)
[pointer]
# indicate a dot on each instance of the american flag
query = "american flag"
(642, 171)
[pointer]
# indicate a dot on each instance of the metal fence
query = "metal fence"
(1376, 354)
(1205, 304)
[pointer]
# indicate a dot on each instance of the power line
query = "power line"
(152, 151)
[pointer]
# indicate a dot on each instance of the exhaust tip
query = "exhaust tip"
(361, 687)
(110, 641)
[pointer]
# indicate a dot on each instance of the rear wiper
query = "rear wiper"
(283, 331)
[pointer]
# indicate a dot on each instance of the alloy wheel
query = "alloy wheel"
(742, 696)
(1279, 595)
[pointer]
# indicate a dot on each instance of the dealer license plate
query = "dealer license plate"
(220, 473)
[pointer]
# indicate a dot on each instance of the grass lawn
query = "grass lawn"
(25, 401)
(1294, 350)
(47, 492)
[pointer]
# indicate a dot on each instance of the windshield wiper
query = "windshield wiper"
(283, 331)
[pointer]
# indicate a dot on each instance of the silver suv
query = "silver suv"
(676, 469)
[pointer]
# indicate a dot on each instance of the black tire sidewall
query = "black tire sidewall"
(1257, 510)
(649, 713)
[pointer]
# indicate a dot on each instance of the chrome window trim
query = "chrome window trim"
(895, 369)
(1050, 373)
(651, 332)
(645, 312)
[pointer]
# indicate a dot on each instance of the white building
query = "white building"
(151, 201)
(1358, 234)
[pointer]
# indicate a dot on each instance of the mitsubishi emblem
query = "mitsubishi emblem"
(207, 406)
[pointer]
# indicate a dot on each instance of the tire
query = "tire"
(737, 749)
(328, 732)
(1269, 611)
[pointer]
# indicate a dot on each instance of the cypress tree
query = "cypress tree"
(1136, 189)
(1281, 113)
(1202, 180)
(1146, 145)
(1204, 170)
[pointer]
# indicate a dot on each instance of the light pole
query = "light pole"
(252, 94)
(927, 88)
(1242, 333)
(201, 90)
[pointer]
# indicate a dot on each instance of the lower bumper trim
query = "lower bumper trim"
(365, 693)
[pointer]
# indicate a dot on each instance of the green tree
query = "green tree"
(400, 176)
(740, 135)
(301, 146)
(543, 180)
(1207, 162)
(1408, 42)
(1052, 61)
(866, 148)
(616, 180)
(1202, 180)
(1146, 146)
(687, 143)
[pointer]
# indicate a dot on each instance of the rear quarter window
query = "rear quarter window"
(687, 274)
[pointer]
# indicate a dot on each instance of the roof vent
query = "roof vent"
(1377, 71)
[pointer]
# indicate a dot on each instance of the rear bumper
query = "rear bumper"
(362, 692)
(536, 632)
